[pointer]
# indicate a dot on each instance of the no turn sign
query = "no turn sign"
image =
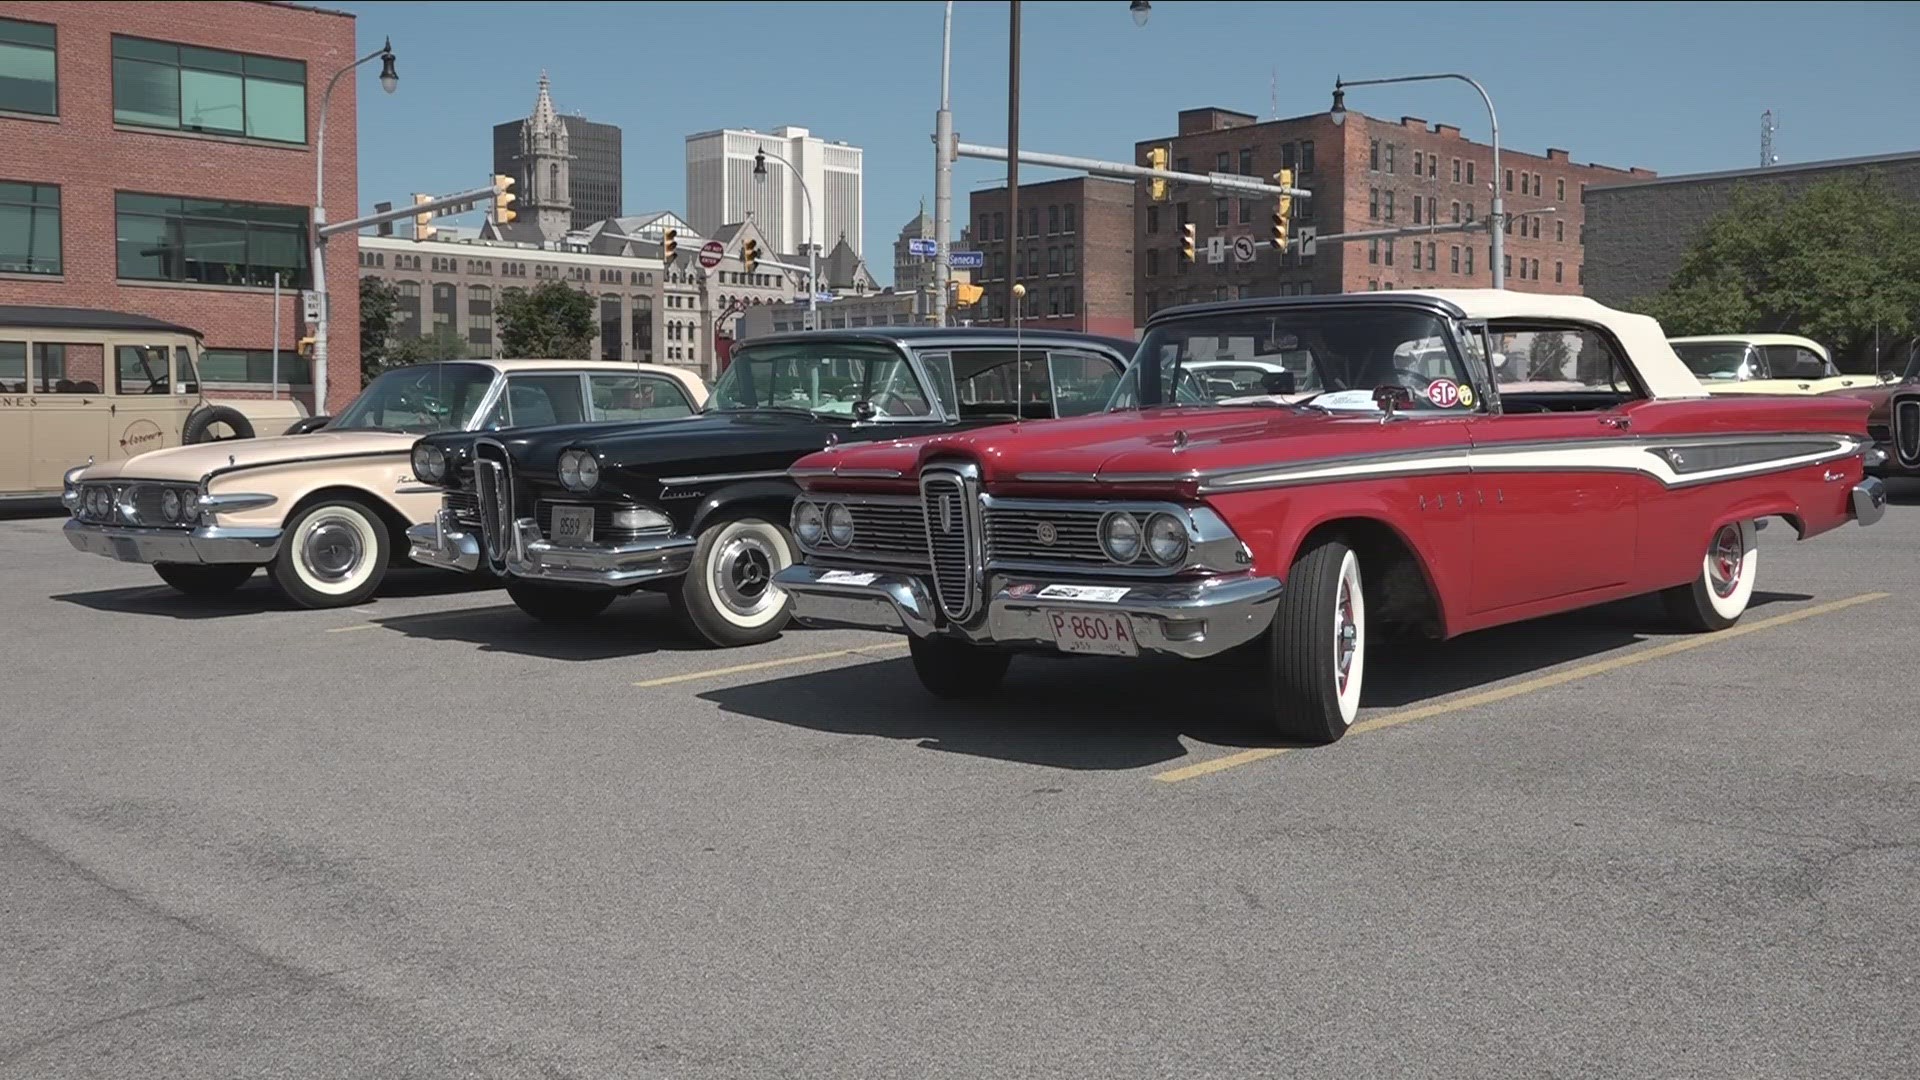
(1243, 249)
(711, 253)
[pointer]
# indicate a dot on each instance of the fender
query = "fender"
(769, 493)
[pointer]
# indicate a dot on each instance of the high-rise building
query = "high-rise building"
(721, 187)
(592, 165)
(912, 271)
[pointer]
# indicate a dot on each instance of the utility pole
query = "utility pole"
(943, 177)
(1013, 155)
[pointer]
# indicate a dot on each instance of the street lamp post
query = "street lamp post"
(813, 250)
(389, 81)
(943, 177)
(1496, 220)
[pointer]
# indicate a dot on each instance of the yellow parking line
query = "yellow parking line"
(1529, 686)
(761, 665)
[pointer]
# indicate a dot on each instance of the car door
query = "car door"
(146, 413)
(1556, 495)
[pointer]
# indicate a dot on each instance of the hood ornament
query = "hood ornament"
(230, 461)
(833, 439)
(1180, 439)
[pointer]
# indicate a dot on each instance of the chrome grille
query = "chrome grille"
(464, 506)
(1906, 430)
(949, 523)
(1050, 535)
(889, 532)
(493, 482)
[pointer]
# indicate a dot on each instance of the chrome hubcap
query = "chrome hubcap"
(1724, 561)
(1346, 636)
(332, 550)
(743, 574)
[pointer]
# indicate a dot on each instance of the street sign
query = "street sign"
(711, 253)
(922, 245)
(967, 260)
(1306, 234)
(824, 297)
(309, 307)
(1216, 250)
(1243, 249)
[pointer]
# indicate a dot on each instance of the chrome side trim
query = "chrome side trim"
(868, 474)
(236, 502)
(308, 460)
(1057, 477)
(419, 489)
(717, 478)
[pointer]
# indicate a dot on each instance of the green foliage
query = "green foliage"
(1832, 263)
(553, 321)
(441, 345)
(1547, 358)
(378, 300)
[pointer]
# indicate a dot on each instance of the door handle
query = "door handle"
(1618, 423)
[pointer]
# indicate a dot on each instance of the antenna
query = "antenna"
(1767, 157)
(1273, 92)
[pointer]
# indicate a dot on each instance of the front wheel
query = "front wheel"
(1719, 594)
(554, 605)
(1319, 646)
(728, 598)
(209, 580)
(955, 669)
(334, 554)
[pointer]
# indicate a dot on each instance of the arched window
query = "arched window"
(553, 182)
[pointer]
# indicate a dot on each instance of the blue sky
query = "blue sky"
(1672, 87)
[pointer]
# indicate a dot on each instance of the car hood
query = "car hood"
(196, 461)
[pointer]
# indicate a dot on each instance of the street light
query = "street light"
(1338, 115)
(389, 81)
(813, 255)
(1141, 9)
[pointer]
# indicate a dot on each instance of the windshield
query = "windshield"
(1325, 356)
(1717, 360)
(825, 378)
(419, 400)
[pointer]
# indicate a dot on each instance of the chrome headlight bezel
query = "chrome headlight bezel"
(170, 505)
(1168, 527)
(1114, 535)
(579, 471)
(429, 464)
(809, 523)
(838, 515)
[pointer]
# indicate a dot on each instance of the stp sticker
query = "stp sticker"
(1099, 594)
(1466, 396)
(1444, 393)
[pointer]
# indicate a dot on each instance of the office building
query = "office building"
(721, 186)
(1075, 254)
(592, 164)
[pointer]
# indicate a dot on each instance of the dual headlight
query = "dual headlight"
(579, 471)
(180, 506)
(1162, 538)
(811, 522)
(98, 502)
(429, 464)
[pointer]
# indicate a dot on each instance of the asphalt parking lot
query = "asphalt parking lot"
(428, 837)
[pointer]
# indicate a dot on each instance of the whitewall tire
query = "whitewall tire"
(728, 598)
(1319, 642)
(334, 554)
(1719, 595)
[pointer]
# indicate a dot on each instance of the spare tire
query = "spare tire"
(200, 425)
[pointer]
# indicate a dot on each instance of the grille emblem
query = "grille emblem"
(946, 513)
(1046, 533)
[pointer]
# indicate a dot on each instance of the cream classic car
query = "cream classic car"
(327, 511)
(1763, 364)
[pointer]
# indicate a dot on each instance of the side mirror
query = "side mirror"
(1390, 398)
(1277, 382)
(863, 410)
(306, 424)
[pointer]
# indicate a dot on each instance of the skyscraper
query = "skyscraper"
(721, 188)
(592, 166)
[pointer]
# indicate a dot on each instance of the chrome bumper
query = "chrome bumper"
(1869, 500)
(445, 543)
(606, 566)
(1193, 619)
(206, 544)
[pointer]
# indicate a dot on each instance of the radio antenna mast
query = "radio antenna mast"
(1273, 91)
(1768, 158)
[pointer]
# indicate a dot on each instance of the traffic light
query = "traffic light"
(1186, 242)
(965, 295)
(423, 222)
(1157, 188)
(1282, 209)
(304, 348)
(750, 254)
(503, 199)
(669, 246)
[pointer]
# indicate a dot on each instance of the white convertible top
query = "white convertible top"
(1647, 350)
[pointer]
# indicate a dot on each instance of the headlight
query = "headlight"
(809, 524)
(1120, 537)
(170, 504)
(578, 471)
(429, 464)
(100, 502)
(640, 519)
(1166, 539)
(839, 525)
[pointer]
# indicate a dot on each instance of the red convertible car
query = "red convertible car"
(1386, 478)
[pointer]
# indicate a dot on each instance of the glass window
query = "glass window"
(1416, 211)
(1070, 300)
(1454, 258)
(1053, 221)
(1558, 270)
(1373, 155)
(29, 228)
(253, 367)
(1286, 155)
(1220, 162)
(1786, 361)
(1153, 219)
(1082, 382)
(1509, 179)
(1373, 204)
(50, 371)
(1417, 169)
(210, 242)
(1469, 262)
(1559, 230)
(1246, 211)
(185, 379)
(1220, 216)
(1560, 188)
(637, 397)
(421, 399)
(820, 377)
(1469, 172)
(1456, 170)
(1306, 156)
(544, 400)
(13, 367)
(1153, 262)
(1554, 359)
(1246, 161)
(29, 80)
(141, 369)
(1068, 213)
(1389, 157)
(1389, 208)
(185, 88)
(1416, 255)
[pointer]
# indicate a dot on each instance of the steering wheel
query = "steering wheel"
(157, 385)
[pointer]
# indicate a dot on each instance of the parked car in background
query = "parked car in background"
(326, 511)
(79, 385)
(1893, 420)
(573, 517)
(1400, 498)
(1764, 364)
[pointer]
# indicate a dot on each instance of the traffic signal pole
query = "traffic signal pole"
(1218, 181)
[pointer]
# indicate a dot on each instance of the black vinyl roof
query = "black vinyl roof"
(961, 336)
(1398, 298)
(69, 318)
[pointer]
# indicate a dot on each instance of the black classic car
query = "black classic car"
(697, 508)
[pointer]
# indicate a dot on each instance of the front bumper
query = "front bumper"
(444, 543)
(1192, 619)
(206, 544)
(1869, 500)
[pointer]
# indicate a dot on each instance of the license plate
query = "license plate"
(1104, 633)
(573, 525)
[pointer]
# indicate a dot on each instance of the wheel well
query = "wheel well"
(775, 508)
(1395, 584)
(396, 523)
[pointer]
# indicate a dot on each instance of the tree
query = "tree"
(553, 321)
(378, 301)
(441, 345)
(1833, 263)
(1547, 357)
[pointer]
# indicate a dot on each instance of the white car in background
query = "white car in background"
(1764, 364)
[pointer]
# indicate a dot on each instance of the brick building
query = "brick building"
(1367, 174)
(158, 159)
(1638, 232)
(1076, 245)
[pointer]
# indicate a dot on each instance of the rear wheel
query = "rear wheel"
(1319, 646)
(728, 598)
(556, 605)
(335, 553)
(955, 669)
(210, 580)
(1719, 595)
